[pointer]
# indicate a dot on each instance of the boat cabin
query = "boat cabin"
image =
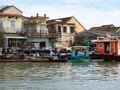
(108, 46)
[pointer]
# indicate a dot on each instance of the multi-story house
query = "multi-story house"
(66, 27)
(11, 24)
(36, 30)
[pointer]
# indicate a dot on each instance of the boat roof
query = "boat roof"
(107, 41)
(80, 46)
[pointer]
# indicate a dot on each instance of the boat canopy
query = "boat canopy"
(80, 46)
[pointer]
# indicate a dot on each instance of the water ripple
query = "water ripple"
(59, 76)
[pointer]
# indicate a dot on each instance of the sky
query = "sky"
(90, 13)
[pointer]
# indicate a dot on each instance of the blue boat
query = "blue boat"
(79, 57)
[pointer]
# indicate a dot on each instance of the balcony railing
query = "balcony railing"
(68, 34)
(43, 34)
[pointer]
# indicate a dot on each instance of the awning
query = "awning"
(14, 37)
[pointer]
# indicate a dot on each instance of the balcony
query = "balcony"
(68, 34)
(43, 34)
(12, 30)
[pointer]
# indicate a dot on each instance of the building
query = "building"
(106, 29)
(11, 25)
(36, 30)
(66, 27)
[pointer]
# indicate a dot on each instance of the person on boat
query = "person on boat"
(76, 52)
(58, 53)
(52, 53)
(5, 50)
(83, 52)
(62, 54)
(79, 52)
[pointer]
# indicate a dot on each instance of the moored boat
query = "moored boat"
(82, 54)
(108, 48)
(31, 56)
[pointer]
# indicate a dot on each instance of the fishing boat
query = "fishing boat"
(80, 56)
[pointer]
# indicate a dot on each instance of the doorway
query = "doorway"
(107, 47)
(42, 45)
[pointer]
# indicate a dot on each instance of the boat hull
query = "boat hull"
(80, 59)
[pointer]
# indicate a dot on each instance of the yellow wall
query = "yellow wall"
(38, 20)
(66, 37)
(79, 27)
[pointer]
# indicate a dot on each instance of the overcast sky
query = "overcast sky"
(89, 13)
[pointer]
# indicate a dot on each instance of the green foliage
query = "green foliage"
(1, 38)
(86, 39)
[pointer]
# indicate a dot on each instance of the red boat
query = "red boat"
(107, 48)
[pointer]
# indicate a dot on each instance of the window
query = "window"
(13, 24)
(59, 29)
(9, 17)
(26, 28)
(100, 46)
(16, 17)
(65, 29)
(1, 24)
(34, 27)
(42, 26)
(72, 29)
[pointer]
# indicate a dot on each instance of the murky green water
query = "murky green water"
(60, 76)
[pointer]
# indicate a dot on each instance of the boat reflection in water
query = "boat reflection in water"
(60, 76)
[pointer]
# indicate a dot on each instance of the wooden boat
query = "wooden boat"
(108, 48)
(79, 57)
(31, 56)
(19, 60)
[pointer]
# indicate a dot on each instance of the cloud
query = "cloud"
(88, 12)
(99, 18)
(87, 17)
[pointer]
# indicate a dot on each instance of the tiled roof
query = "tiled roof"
(2, 8)
(59, 20)
(104, 27)
(87, 33)
(64, 20)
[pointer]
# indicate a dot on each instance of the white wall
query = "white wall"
(7, 19)
(12, 10)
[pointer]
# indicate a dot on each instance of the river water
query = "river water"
(60, 76)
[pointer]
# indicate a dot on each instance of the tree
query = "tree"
(85, 40)
(1, 39)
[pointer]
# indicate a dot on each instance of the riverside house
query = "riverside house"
(37, 32)
(66, 27)
(11, 25)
